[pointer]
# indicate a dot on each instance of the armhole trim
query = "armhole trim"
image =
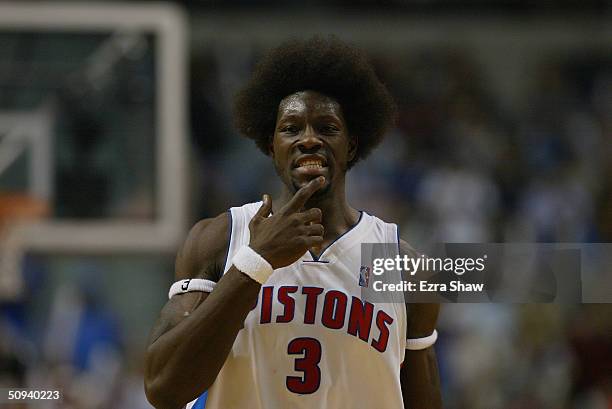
(403, 307)
(229, 241)
(399, 247)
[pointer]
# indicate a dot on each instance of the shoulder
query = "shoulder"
(393, 228)
(421, 317)
(203, 251)
(407, 249)
(385, 231)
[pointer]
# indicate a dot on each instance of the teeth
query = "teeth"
(311, 164)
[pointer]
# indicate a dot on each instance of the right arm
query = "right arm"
(196, 331)
(196, 327)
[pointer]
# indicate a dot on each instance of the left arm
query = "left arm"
(419, 374)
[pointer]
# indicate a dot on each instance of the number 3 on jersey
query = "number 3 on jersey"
(308, 364)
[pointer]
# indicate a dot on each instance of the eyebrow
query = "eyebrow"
(329, 116)
(288, 117)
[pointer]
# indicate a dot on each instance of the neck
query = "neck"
(338, 215)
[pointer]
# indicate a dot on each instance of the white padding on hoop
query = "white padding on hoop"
(416, 344)
(191, 284)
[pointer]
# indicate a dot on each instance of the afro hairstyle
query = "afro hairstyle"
(325, 65)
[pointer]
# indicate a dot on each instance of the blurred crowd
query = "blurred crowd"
(460, 166)
(81, 327)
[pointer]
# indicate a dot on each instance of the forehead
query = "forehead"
(309, 102)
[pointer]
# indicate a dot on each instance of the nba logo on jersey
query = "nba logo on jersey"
(364, 276)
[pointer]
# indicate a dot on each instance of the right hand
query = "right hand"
(286, 235)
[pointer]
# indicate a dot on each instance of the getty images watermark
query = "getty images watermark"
(488, 272)
(413, 264)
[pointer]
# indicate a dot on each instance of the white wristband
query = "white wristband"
(252, 264)
(191, 284)
(416, 344)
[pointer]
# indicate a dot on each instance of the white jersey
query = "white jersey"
(311, 341)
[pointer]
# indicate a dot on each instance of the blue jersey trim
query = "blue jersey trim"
(201, 402)
(229, 240)
(399, 247)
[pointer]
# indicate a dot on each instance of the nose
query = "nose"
(309, 142)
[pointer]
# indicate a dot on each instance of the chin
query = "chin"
(321, 192)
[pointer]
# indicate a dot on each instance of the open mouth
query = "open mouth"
(310, 163)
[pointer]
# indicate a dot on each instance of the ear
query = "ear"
(271, 146)
(352, 148)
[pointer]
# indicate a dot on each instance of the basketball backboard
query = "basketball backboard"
(92, 120)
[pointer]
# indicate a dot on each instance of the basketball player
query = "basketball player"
(272, 317)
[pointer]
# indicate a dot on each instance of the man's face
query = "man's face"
(311, 139)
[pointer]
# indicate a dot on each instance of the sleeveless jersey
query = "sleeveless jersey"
(311, 341)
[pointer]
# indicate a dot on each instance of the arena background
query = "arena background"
(116, 136)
